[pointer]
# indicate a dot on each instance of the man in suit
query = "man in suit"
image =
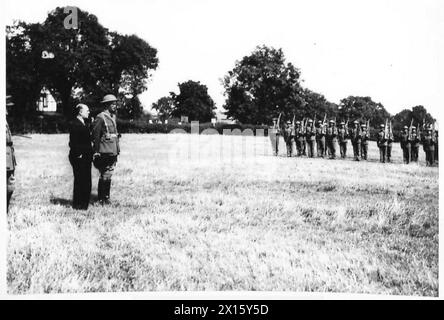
(106, 146)
(80, 157)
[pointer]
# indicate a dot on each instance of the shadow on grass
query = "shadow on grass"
(68, 202)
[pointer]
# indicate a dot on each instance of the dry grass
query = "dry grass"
(223, 221)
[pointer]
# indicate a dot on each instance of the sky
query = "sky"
(391, 51)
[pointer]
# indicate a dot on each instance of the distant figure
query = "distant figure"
(106, 146)
(310, 136)
(320, 139)
(10, 159)
(80, 157)
(331, 139)
(405, 145)
(390, 140)
(382, 143)
(436, 145)
(299, 138)
(416, 140)
(288, 137)
(342, 140)
(429, 142)
(356, 139)
(365, 136)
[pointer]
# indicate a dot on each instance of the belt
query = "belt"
(9, 144)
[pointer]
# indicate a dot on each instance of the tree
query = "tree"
(193, 101)
(88, 61)
(419, 115)
(315, 104)
(362, 109)
(261, 86)
(164, 107)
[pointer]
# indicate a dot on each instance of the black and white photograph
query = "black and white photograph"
(244, 147)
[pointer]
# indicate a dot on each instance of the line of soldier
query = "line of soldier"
(312, 136)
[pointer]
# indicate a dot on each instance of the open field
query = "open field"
(188, 216)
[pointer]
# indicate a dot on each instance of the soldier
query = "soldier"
(288, 137)
(356, 140)
(342, 139)
(436, 145)
(106, 146)
(429, 142)
(416, 140)
(405, 145)
(274, 135)
(331, 139)
(310, 136)
(390, 140)
(10, 159)
(300, 142)
(382, 143)
(320, 139)
(365, 136)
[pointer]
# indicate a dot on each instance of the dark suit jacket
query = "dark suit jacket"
(80, 140)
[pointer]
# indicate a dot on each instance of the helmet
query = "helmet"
(108, 98)
(382, 125)
(356, 122)
(342, 123)
(298, 122)
(319, 121)
(364, 126)
(405, 127)
(309, 120)
(332, 121)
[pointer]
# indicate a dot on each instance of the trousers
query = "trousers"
(82, 182)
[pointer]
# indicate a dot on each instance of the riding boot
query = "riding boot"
(101, 191)
(107, 187)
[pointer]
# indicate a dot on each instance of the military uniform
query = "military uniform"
(10, 166)
(436, 145)
(106, 143)
(415, 146)
(356, 140)
(342, 140)
(300, 140)
(288, 137)
(405, 145)
(389, 146)
(429, 142)
(320, 139)
(331, 139)
(310, 136)
(382, 144)
(274, 135)
(365, 136)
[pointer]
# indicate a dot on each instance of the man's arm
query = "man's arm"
(96, 133)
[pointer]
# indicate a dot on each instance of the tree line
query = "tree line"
(91, 61)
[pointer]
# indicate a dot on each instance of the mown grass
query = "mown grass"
(221, 220)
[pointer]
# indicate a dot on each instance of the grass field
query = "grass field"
(198, 213)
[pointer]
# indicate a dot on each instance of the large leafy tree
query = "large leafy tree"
(87, 62)
(193, 101)
(261, 86)
(315, 105)
(362, 109)
(164, 107)
(418, 114)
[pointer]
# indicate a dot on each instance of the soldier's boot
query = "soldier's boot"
(106, 190)
(101, 191)
(8, 200)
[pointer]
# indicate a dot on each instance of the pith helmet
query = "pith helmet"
(298, 122)
(364, 125)
(356, 122)
(309, 120)
(109, 98)
(382, 125)
(342, 123)
(405, 127)
(332, 121)
(319, 121)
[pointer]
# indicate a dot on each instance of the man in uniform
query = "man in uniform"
(436, 145)
(415, 145)
(356, 140)
(301, 140)
(405, 145)
(310, 136)
(331, 139)
(10, 159)
(106, 146)
(390, 140)
(365, 136)
(288, 137)
(342, 139)
(274, 135)
(382, 143)
(320, 139)
(429, 142)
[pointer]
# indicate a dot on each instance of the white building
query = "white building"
(46, 102)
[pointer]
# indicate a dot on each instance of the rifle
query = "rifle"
(294, 118)
(346, 126)
(391, 131)
(410, 130)
(386, 129)
(314, 122)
